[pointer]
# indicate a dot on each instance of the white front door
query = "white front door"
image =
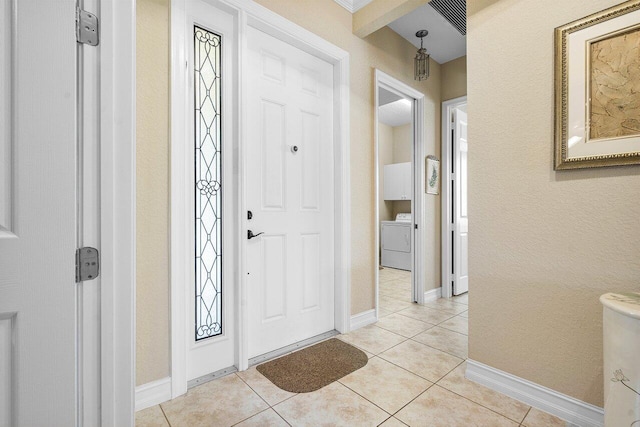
(211, 325)
(290, 193)
(461, 232)
(37, 213)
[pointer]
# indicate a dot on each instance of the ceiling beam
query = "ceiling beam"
(478, 5)
(380, 13)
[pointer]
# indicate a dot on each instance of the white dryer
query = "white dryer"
(396, 242)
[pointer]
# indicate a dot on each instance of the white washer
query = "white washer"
(396, 242)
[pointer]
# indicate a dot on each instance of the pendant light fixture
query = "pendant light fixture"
(421, 61)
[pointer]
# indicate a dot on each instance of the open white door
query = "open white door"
(461, 223)
(290, 193)
(37, 213)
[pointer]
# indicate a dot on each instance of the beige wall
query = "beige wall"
(403, 152)
(403, 143)
(544, 245)
(152, 186)
(383, 49)
(385, 157)
(454, 78)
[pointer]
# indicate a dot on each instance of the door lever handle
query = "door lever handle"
(250, 234)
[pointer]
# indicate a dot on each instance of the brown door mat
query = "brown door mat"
(314, 367)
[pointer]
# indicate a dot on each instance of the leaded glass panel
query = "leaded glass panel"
(208, 184)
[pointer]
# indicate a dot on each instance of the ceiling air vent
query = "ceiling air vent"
(454, 11)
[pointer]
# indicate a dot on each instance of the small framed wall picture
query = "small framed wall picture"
(597, 89)
(432, 175)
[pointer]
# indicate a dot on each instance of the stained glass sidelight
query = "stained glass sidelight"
(208, 184)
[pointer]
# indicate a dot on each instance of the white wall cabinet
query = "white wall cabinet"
(397, 181)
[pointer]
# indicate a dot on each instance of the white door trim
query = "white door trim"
(447, 191)
(394, 85)
(249, 13)
(118, 210)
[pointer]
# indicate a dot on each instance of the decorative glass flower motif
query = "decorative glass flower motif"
(619, 376)
(208, 188)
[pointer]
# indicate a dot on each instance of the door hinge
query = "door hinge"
(87, 31)
(87, 264)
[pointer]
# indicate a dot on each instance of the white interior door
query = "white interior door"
(211, 326)
(37, 213)
(461, 227)
(290, 193)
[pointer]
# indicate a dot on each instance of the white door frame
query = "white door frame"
(249, 13)
(118, 210)
(384, 80)
(447, 191)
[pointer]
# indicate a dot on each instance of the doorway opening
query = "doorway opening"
(455, 222)
(399, 189)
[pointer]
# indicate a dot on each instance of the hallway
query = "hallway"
(415, 377)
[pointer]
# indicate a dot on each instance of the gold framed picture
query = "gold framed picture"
(597, 89)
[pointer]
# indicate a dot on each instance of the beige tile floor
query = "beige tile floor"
(415, 377)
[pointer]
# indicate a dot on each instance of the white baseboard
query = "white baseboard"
(363, 319)
(432, 295)
(153, 393)
(562, 406)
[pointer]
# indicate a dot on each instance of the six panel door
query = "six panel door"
(290, 192)
(37, 213)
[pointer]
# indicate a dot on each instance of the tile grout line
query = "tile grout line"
(434, 324)
(478, 403)
(436, 348)
(257, 394)
(525, 415)
(400, 335)
(251, 416)
(393, 346)
(456, 367)
(420, 394)
(405, 369)
(442, 327)
(405, 340)
(412, 336)
(418, 342)
(457, 315)
(279, 414)
(373, 403)
(284, 400)
(164, 414)
(397, 419)
(265, 401)
(417, 375)
(411, 401)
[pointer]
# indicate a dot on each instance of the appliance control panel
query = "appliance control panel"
(403, 217)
